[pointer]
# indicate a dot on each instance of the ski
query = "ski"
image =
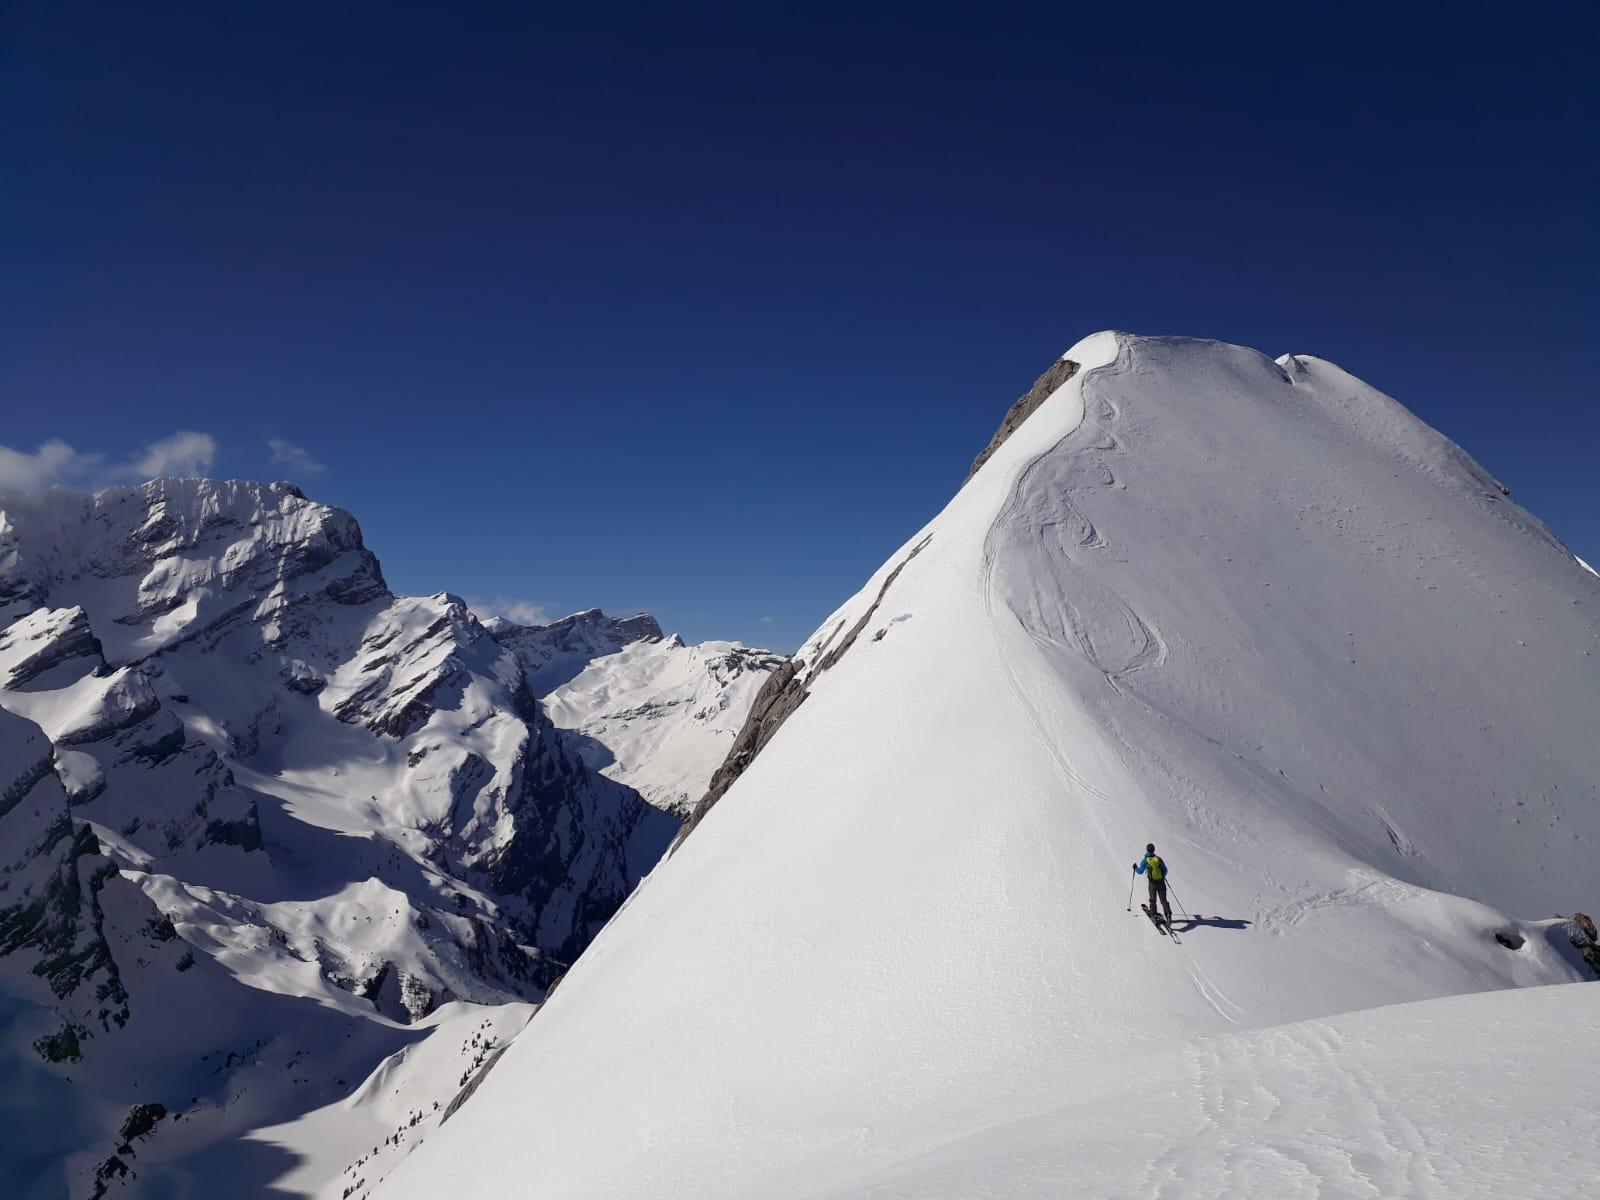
(1161, 924)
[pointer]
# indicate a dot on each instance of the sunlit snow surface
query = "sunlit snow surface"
(1253, 611)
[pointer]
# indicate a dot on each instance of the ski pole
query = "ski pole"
(1132, 879)
(1178, 902)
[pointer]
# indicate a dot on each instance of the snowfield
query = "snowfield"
(1251, 610)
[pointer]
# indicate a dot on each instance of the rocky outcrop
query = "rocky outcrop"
(783, 692)
(44, 639)
(471, 1086)
(50, 909)
(1043, 388)
(1587, 940)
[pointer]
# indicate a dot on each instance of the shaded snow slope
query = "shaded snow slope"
(1253, 611)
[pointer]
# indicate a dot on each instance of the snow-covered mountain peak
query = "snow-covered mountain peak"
(163, 562)
(1252, 611)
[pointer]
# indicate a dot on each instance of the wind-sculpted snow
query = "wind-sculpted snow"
(1252, 611)
(261, 820)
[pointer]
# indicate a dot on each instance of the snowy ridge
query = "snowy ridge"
(262, 821)
(1253, 611)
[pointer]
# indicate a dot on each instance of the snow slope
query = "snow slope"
(1253, 611)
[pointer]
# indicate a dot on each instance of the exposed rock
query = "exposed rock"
(24, 782)
(141, 1120)
(43, 639)
(54, 911)
(158, 743)
(61, 1046)
(243, 832)
(465, 1093)
(1043, 388)
(1585, 938)
(300, 678)
(111, 1168)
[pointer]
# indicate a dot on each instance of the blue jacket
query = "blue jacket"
(1139, 867)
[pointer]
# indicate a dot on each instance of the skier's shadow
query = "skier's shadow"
(1185, 924)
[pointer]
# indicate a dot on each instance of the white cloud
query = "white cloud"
(57, 464)
(184, 453)
(297, 458)
(522, 612)
(769, 620)
(53, 463)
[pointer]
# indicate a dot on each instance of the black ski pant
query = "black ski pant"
(1158, 891)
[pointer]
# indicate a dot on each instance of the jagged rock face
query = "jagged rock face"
(242, 778)
(176, 558)
(1026, 405)
(43, 639)
(46, 864)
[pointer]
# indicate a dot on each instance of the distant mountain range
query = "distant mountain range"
(264, 824)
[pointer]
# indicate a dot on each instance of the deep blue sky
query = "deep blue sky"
(706, 308)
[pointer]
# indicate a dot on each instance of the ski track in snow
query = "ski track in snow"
(1091, 437)
(1367, 1106)
(1009, 518)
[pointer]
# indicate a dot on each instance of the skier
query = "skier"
(1153, 866)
